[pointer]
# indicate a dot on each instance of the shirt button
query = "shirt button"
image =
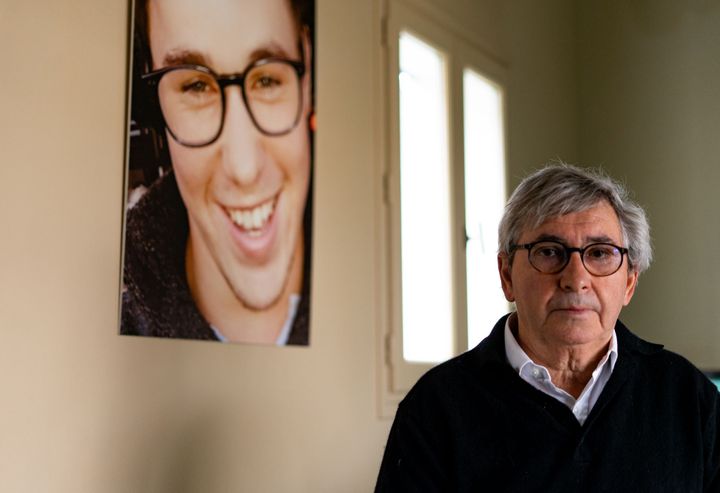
(536, 373)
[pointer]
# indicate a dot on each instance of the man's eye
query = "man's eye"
(197, 86)
(548, 252)
(266, 82)
(600, 253)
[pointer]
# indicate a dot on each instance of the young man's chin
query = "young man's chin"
(256, 304)
(262, 294)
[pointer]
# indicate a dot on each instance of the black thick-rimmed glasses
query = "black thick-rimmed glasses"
(550, 257)
(192, 98)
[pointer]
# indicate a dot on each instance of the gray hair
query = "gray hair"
(560, 189)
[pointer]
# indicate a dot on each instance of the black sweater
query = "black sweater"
(472, 424)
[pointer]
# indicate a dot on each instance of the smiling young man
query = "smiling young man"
(218, 247)
(561, 397)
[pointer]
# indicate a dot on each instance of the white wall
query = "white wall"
(84, 410)
(649, 76)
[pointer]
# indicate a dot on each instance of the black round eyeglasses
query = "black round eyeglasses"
(551, 257)
(192, 98)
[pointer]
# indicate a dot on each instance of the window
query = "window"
(444, 196)
(484, 167)
(427, 288)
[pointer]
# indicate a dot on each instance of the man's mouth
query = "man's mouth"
(253, 220)
(575, 310)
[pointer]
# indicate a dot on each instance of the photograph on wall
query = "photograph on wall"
(219, 179)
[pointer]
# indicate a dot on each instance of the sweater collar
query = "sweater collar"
(491, 350)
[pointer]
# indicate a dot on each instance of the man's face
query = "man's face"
(572, 307)
(245, 193)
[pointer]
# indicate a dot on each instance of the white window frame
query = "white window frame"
(433, 26)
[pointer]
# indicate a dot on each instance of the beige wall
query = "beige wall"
(649, 76)
(84, 410)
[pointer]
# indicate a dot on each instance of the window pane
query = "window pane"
(484, 201)
(427, 292)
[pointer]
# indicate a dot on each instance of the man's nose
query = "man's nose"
(575, 277)
(242, 153)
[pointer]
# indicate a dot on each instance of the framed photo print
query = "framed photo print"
(219, 179)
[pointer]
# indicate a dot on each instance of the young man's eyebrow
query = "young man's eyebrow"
(270, 50)
(185, 57)
(195, 57)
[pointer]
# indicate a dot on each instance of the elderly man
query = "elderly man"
(561, 396)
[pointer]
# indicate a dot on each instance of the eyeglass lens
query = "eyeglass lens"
(192, 101)
(600, 259)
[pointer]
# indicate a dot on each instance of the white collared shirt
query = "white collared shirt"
(539, 377)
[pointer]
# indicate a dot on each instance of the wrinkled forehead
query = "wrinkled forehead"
(229, 34)
(598, 222)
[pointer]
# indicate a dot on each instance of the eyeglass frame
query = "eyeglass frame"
(568, 252)
(224, 81)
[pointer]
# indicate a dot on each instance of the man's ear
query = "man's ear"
(630, 286)
(505, 268)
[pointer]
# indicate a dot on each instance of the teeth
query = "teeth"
(252, 220)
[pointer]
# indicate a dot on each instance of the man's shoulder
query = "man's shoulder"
(159, 212)
(156, 300)
(634, 346)
(662, 368)
(629, 342)
(464, 367)
(466, 377)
